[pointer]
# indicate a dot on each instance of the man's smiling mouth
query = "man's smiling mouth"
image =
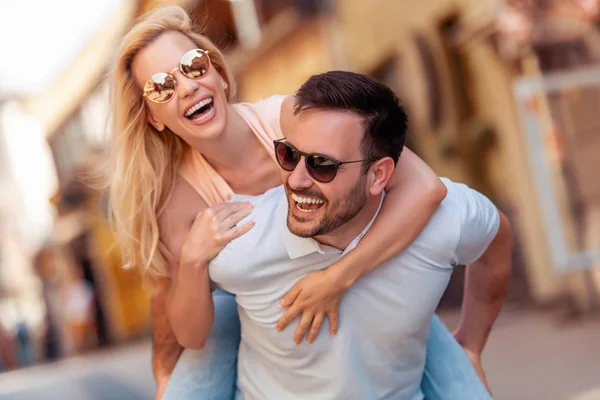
(307, 204)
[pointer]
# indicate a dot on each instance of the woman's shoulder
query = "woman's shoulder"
(273, 111)
(267, 105)
(286, 114)
(178, 214)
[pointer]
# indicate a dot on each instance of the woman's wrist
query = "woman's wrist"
(190, 275)
(345, 272)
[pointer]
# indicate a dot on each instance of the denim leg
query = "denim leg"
(210, 373)
(449, 374)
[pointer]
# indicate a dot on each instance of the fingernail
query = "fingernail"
(282, 303)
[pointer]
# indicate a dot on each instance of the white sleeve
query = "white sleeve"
(479, 224)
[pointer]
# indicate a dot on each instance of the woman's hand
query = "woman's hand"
(314, 296)
(212, 229)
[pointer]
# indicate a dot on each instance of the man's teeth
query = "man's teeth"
(306, 200)
(303, 210)
(198, 106)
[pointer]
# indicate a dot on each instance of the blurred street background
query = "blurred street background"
(501, 95)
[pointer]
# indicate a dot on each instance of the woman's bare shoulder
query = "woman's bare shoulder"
(178, 215)
(286, 116)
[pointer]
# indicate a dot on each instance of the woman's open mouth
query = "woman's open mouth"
(201, 111)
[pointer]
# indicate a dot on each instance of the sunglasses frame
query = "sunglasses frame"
(205, 52)
(310, 169)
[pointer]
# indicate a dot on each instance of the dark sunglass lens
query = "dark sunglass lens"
(160, 88)
(322, 168)
(287, 156)
(194, 64)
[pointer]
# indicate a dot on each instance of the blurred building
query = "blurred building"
(457, 65)
(53, 122)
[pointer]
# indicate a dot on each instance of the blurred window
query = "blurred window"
(432, 81)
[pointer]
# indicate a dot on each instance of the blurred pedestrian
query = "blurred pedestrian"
(79, 305)
(8, 351)
(44, 265)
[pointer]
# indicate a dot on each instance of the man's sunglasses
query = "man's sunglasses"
(321, 168)
(162, 86)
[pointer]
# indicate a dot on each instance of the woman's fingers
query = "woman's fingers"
(290, 297)
(225, 210)
(235, 233)
(315, 327)
(303, 326)
(233, 219)
(288, 316)
(334, 322)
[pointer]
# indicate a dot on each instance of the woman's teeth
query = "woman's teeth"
(203, 106)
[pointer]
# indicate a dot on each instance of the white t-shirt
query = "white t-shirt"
(379, 351)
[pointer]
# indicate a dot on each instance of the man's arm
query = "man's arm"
(165, 348)
(486, 288)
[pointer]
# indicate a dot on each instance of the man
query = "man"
(323, 210)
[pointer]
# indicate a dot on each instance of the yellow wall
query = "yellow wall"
(124, 292)
(284, 67)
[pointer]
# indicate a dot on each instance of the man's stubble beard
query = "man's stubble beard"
(336, 214)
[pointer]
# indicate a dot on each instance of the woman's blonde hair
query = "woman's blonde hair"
(144, 161)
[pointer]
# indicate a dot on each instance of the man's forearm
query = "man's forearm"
(486, 288)
(165, 348)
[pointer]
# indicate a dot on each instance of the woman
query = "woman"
(181, 150)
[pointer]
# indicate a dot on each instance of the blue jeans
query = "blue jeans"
(210, 374)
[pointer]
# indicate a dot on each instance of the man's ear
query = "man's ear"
(380, 173)
(154, 122)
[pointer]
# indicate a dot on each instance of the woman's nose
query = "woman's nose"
(187, 86)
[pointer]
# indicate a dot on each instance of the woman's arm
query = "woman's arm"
(190, 306)
(413, 194)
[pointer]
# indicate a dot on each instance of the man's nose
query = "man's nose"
(299, 178)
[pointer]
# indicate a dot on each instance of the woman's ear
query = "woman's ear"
(381, 172)
(154, 122)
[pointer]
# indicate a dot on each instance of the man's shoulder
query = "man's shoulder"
(440, 237)
(265, 201)
(265, 235)
(445, 222)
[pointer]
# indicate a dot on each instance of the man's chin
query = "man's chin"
(301, 228)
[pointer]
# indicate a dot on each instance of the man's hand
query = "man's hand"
(476, 361)
(315, 296)
(161, 387)
(165, 349)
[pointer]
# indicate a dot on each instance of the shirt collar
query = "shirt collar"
(297, 246)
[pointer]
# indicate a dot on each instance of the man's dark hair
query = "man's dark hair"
(384, 119)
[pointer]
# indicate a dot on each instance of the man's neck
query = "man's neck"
(345, 234)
